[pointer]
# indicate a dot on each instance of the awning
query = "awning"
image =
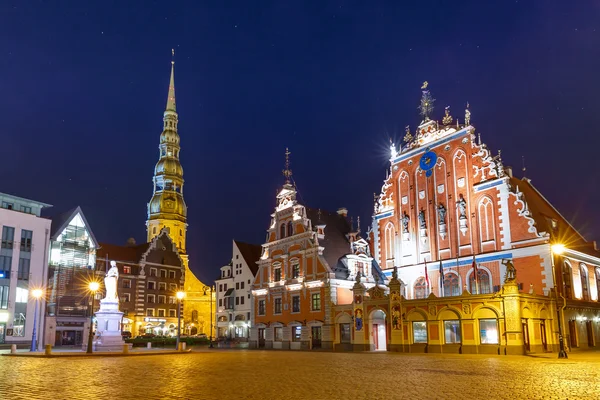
(229, 292)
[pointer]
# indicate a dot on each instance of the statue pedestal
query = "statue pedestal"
(108, 333)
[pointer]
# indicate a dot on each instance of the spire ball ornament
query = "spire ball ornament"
(287, 172)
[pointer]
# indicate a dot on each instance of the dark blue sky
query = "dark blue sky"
(84, 86)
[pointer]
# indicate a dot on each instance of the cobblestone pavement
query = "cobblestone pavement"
(300, 375)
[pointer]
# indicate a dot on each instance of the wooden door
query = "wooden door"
(525, 335)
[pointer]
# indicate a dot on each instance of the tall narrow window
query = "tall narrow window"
(8, 236)
(290, 229)
(585, 291)
(567, 280)
(390, 234)
(451, 285)
(23, 269)
(295, 270)
(420, 288)
(486, 220)
(598, 282)
(316, 301)
(282, 231)
(296, 304)
(277, 306)
(26, 237)
(277, 274)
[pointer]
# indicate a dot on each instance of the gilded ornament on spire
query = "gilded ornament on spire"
(447, 120)
(408, 137)
(426, 107)
(287, 172)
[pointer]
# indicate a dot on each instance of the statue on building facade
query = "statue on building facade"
(511, 271)
(422, 223)
(405, 221)
(441, 214)
(462, 207)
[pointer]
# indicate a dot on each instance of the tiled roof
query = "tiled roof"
(132, 254)
(251, 254)
(336, 243)
(543, 213)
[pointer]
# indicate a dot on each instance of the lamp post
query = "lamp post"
(180, 296)
(36, 293)
(93, 287)
(558, 249)
(211, 288)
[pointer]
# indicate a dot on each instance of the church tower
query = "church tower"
(167, 207)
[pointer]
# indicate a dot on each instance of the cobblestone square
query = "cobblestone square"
(300, 375)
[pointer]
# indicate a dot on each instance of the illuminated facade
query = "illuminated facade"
(307, 267)
(23, 257)
(150, 275)
(457, 224)
(72, 261)
(167, 210)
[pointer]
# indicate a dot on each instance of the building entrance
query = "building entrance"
(316, 337)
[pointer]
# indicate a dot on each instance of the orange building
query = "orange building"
(307, 266)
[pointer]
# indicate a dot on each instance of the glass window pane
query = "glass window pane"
(452, 331)
(345, 333)
(420, 332)
(488, 329)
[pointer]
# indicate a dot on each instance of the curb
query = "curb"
(100, 354)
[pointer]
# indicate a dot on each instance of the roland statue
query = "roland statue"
(110, 282)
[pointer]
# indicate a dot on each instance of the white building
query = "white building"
(23, 267)
(234, 302)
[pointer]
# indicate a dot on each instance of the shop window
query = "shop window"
(278, 333)
(296, 333)
(345, 333)
(452, 331)
(488, 330)
(419, 332)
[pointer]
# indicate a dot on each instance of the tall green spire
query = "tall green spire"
(171, 97)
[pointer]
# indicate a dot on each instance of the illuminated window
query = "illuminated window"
(19, 325)
(162, 299)
(126, 269)
(295, 270)
(567, 280)
(277, 274)
(452, 331)
(316, 301)
(584, 282)
(126, 298)
(488, 329)
(451, 285)
(3, 297)
(483, 283)
(296, 333)
(5, 262)
(420, 288)
(419, 332)
(22, 295)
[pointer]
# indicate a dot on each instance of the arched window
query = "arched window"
(420, 288)
(154, 230)
(585, 291)
(290, 229)
(282, 231)
(483, 282)
(195, 316)
(486, 220)
(567, 280)
(451, 285)
(390, 234)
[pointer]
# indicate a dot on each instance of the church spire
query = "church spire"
(287, 172)
(171, 97)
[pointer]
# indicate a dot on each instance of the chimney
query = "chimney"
(508, 171)
(343, 212)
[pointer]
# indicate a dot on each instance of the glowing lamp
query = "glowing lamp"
(94, 286)
(558, 248)
(180, 295)
(37, 293)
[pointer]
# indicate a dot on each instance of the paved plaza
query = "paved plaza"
(300, 375)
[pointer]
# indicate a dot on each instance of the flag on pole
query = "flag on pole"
(441, 280)
(475, 275)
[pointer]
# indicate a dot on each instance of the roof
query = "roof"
(336, 243)
(132, 254)
(251, 254)
(543, 213)
(61, 221)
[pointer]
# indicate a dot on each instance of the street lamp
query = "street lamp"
(180, 296)
(36, 293)
(558, 249)
(211, 288)
(93, 288)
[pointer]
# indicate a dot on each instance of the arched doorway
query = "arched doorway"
(378, 334)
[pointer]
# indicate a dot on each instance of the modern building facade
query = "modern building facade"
(72, 259)
(150, 275)
(167, 210)
(308, 266)
(23, 260)
(233, 292)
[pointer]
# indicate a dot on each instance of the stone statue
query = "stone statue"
(462, 207)
(511, 271)
(441, 214)
(405, 220)
(467, 115)
(110, 282)
(422, 219)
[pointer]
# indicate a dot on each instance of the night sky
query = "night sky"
(84, 86)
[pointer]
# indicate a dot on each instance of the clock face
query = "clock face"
(427, 162)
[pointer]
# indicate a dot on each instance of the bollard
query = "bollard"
(125, 349)
(180, 347)
(149, 345)
(184, 345)
(48, 349)
(13, 349)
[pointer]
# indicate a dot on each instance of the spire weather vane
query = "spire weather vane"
(287, 172)
(426, 107)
